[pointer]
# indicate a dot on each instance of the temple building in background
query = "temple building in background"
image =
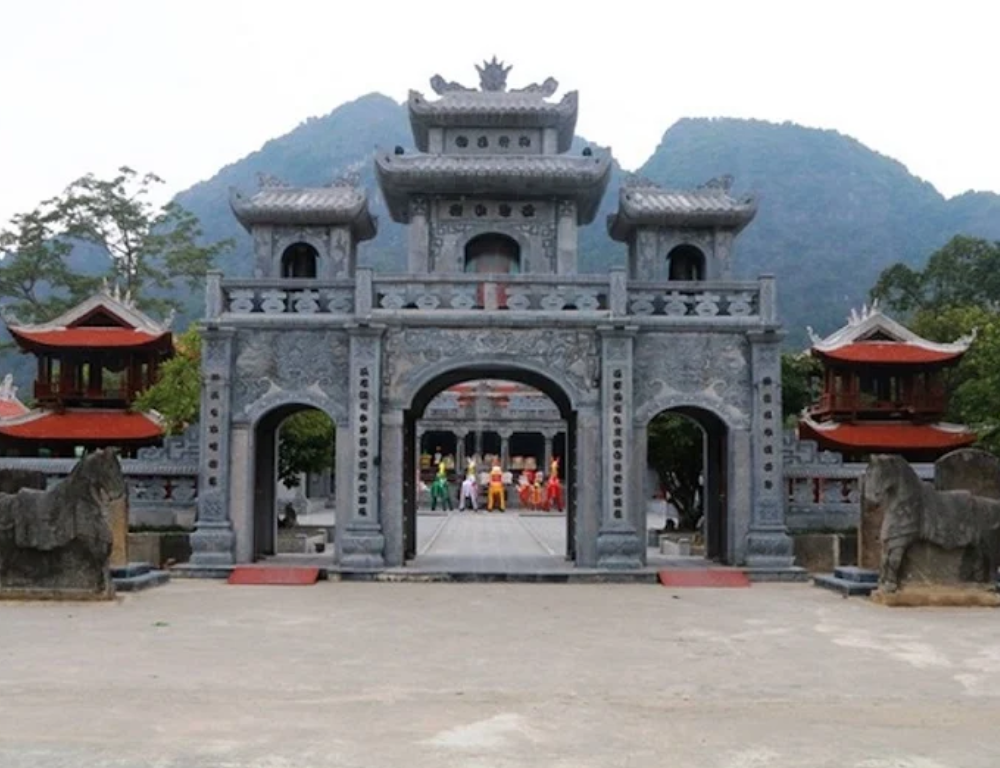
(93, 361)
(883, 392)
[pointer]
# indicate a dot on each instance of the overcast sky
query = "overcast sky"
(186, 86)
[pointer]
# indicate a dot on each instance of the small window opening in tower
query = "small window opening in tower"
(299, 260)
(686, 263)
(493, 253)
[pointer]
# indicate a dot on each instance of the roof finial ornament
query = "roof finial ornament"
(724, 182)
(267, 180)
(493, 75)
(440, 86)
(8, 391)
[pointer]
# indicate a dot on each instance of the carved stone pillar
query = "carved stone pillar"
(549, 436)
(212, 542)
(587, 485)
(619, 544)
(391, 484)
(768, 542)
(362, 544)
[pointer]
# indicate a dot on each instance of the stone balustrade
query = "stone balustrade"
(823, 493)
(587, 297)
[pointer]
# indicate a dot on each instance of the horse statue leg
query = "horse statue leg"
(892, 561)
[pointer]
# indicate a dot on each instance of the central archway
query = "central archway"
(473, 372)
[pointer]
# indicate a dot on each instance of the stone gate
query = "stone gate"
(493, 200)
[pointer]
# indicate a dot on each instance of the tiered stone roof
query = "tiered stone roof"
(340, 204)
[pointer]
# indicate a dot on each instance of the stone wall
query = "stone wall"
(162, 482)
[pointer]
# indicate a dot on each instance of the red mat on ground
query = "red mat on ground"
(703, 577)
(273, 574)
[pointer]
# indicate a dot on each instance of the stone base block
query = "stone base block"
(770, 549)
(362, 547)
(822, 552)
(675, 548)
(213, 544)
(620, 547)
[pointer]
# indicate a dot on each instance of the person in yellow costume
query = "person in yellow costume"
(495, 493)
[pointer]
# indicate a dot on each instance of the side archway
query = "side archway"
(709, 488)
(266, 468)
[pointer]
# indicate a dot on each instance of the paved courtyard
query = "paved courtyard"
(356, 674)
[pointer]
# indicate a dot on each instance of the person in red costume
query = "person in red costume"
(553, 489)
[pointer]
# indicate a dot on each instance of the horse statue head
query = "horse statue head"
(98, 477)
(890, 481)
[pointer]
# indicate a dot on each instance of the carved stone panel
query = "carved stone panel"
(570, 358)
(707, 370)
(313, 363)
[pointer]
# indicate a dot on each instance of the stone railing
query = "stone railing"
(823, 491)
(162, 481)
(592, 297)
(286, 297)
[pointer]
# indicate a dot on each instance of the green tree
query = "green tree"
(151, 248)
(176, 395)
(963, 273)
(676, 455)
(798, 374)
(306, 443)
(957, 294)
(36, 282)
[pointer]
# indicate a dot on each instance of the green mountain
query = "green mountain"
(833, 213)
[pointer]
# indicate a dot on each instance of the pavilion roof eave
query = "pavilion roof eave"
(899, 354)
(886, 436)
(861, 326)
(506, 109)
(83, 338)
(83, 427)
(651, 206)
(583, 179)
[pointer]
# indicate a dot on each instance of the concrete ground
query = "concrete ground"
(476, 675)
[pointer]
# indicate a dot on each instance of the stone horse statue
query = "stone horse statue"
(58, 541)
(914, 513)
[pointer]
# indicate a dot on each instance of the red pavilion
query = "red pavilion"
(883, 392)
(92, 362)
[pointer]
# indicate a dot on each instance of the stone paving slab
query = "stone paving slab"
(197, 675)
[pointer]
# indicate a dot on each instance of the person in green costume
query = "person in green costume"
(440, 490)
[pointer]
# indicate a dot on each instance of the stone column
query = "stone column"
(241, 501)
(549, 436)
(419, 233)
(619, 544)
(361, 545)
(460, 451)
(639, 499)
(212, 541)
(566, 239)
(505, 435)
(768, 542)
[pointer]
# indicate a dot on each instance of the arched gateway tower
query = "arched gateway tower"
(493, 199)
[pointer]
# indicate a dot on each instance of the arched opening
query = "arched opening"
(686, 485)
(293, 482)
(687, 263)
(493, 253)
(497, 417)
(299, 260)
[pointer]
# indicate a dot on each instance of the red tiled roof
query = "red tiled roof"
(887, 352)
(88, 337)
(10, 409)
(84, 426)
(882, 436)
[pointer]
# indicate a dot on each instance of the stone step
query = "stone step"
(142, 581)
(853, 573)
(130, 571)
(847, 587)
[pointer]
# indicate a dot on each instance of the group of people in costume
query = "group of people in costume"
(534, 492)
